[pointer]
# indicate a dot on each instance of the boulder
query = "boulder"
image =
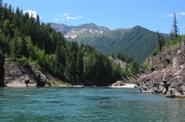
(118, 83)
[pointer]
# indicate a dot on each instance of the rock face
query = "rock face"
(169, 81)
(2, 83)
(163, 59)
(20, 76)
(41, 79)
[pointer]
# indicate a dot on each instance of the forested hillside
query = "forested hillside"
(26, 40)
(136, 42)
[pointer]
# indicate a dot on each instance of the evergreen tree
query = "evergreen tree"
(61, 57)
(175, 27)
(80, 67)
(38, 19)
(161, 40)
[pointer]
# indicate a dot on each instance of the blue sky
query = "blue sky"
(152, 14)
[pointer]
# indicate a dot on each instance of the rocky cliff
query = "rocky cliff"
(21, 76)
(2, 83)
(168, 77)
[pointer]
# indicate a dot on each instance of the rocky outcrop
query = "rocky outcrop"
(169, 81)
(163, 59)
(41, 79)
(2, 83)
(118, 83)
(20, 76)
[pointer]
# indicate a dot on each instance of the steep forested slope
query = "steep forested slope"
(137, 42)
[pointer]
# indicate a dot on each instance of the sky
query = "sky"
(155, 15)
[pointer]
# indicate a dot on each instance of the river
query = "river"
(87, 105)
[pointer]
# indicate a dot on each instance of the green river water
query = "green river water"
(87, 105)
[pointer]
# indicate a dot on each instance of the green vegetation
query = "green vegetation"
(137, 42)
(26, 40)
(161, 43)
(161, 40)
(174, 42)
(132, 67)
(147, 67)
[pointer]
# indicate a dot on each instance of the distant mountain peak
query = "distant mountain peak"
(88, 24)
(137, 26)
(92, 25)
(75, 31)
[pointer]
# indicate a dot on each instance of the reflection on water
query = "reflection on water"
(88, 104)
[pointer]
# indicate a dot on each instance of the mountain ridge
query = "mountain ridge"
(136, 42)
(70, 31)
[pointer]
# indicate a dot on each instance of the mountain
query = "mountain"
(136, 42)
(74, 31)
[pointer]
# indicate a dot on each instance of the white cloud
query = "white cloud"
(178, 14)
(182, 13)
(31, 13)
(169, 15)
(69, 16)
(65, 17)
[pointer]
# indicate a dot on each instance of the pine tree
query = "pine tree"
(38, 19)
(80, 67)
(161, 40)
(175, 27)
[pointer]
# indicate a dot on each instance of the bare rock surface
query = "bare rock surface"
(166, 79)
(19, 76)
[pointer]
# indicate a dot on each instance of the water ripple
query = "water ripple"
(87, 104)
